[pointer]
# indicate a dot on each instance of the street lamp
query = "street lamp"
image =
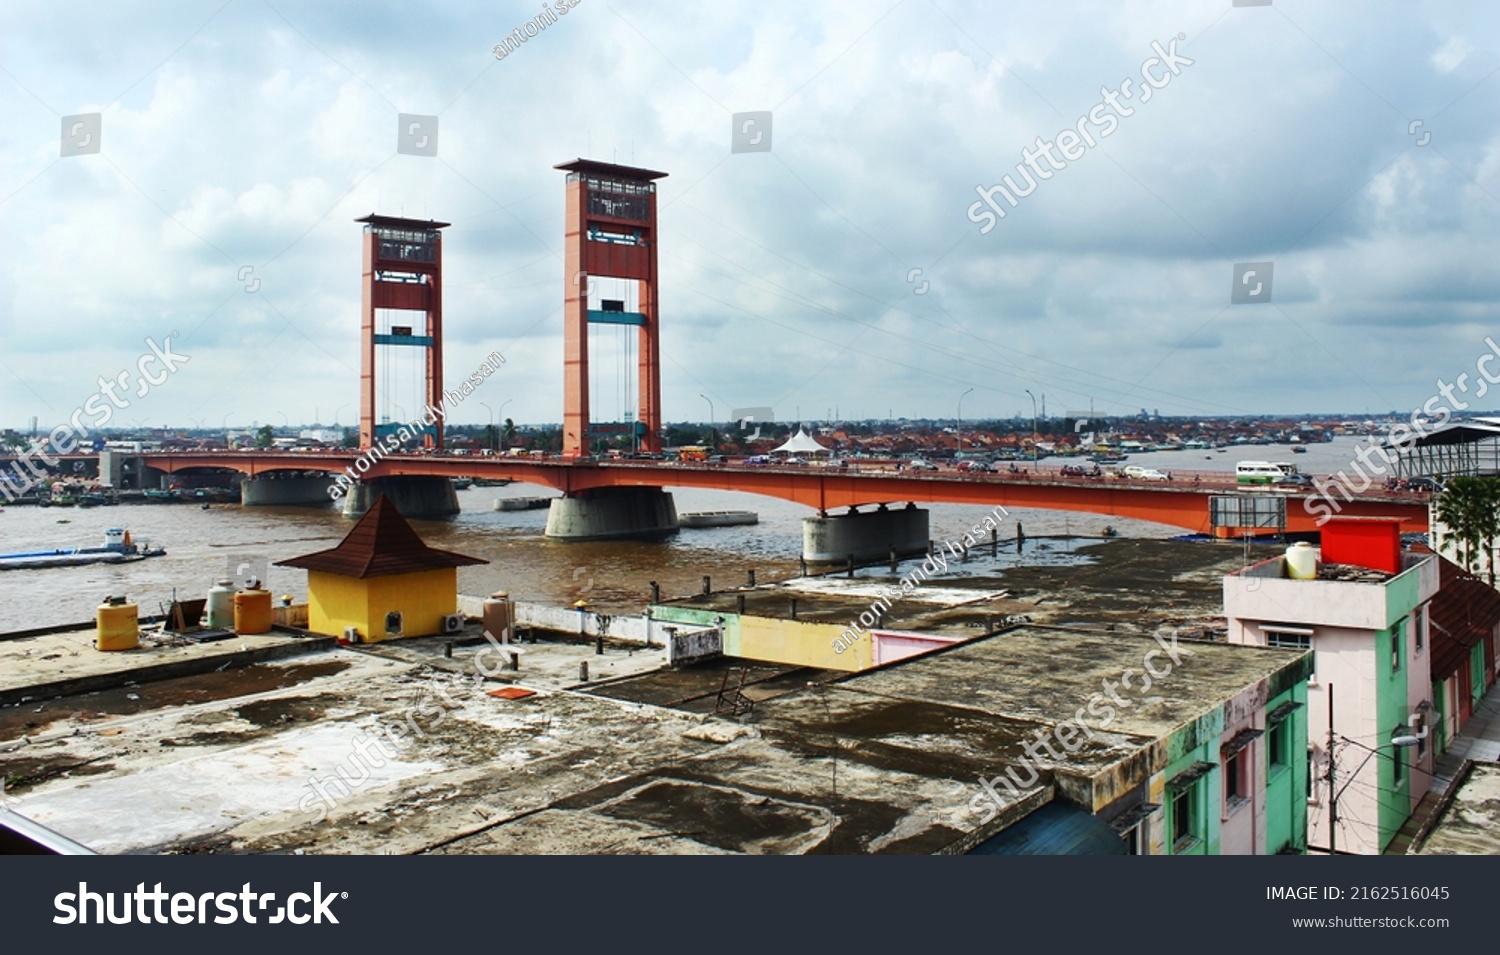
(711, 442)
(337, 413)
(491, 435)
(501, 419)
(960, 422)
(1033, 424)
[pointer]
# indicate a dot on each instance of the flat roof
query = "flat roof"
(886, 761)
(397, 222)
(610, 169)
(1467, 820)
(1046, 674)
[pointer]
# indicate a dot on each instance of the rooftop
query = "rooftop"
(885, 761)
(609, 169)
(381, 544)
(1467, 821)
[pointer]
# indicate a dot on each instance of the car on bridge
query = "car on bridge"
(1291, 481)
(918, 464)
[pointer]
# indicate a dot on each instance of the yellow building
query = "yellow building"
(381, 580)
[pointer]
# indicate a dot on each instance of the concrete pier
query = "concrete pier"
(628, 513)
(867, 535)
(415, 496)
(274, 491)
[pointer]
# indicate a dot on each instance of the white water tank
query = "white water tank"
(1302, 561)
(221, 605)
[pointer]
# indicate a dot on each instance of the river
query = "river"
(612, 576)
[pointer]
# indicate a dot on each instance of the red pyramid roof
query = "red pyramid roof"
(382, 544)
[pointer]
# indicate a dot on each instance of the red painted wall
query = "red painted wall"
(1364, 542)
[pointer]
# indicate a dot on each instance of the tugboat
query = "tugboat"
(118, 549)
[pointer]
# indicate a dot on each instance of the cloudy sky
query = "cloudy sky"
(1353, 145)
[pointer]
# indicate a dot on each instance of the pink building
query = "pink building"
(1360, 603)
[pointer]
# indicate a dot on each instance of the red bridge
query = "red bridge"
(1182, 502)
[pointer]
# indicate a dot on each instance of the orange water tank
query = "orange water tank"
(252, 611)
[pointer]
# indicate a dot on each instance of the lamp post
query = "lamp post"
(501, 419)
(960, 422)
(491, 435)
(1033, 425)
(1398, 743)
(713, 445)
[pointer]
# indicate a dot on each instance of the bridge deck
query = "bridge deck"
(1182, 502)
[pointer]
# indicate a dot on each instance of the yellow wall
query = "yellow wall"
(800, 643)
(423, 599)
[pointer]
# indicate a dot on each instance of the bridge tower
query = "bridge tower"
(610, 232)
(403, 270)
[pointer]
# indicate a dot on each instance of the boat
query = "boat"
(522, 503)
(491, 482)
(155, 496)
(118, 548)
(462, 483)
(1299, 449)
(717, 518)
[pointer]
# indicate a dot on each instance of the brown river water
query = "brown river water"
(611, 576)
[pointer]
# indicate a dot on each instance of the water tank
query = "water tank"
(1302, 561)
(118, 625)
(221, 605)
(499, 616)
(252, 611)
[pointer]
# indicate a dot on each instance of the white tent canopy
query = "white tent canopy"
(801, 443)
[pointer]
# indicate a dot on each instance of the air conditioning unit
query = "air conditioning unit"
(393, 623)
(351, 634)
(453, 623)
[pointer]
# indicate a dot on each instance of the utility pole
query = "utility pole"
(1333, 796)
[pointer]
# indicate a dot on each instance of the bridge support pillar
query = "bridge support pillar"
(614, 513)
(299, 491)
(869, 536)
(415, 496)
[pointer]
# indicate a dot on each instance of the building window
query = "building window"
(1277, 737)
(1396, 645)
(1398, 759)
(1135, 840)
(1417, 629)
(1182, 817)
(1235, 787)
(1288, 641)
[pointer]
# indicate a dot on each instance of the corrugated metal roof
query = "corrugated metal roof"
(382, 544)
(1056, 829)
(1462, 612)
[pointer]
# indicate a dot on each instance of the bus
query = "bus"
(1262, 472)
(693, 452)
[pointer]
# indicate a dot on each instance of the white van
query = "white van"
(1262, 472)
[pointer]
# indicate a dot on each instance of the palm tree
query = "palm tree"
(1470, 508)
(507, 433)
